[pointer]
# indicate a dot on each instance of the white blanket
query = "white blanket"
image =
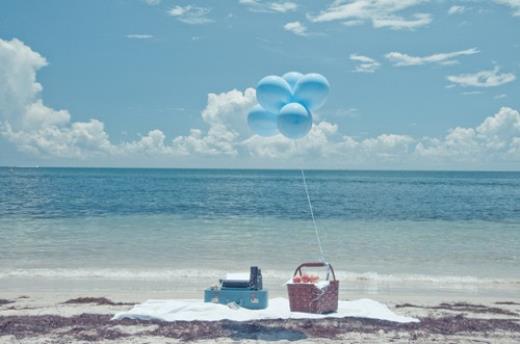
(188, 310)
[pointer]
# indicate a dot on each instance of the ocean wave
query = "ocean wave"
(278, 275)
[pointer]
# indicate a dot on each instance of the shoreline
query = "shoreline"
(55, 289)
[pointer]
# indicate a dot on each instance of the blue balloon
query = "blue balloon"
(262, 122)
(292, 78)
(311, 91)
(273, 92)
(294, 121)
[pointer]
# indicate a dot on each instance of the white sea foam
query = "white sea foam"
(158, 275)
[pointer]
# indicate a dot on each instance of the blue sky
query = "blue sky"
(414, 83)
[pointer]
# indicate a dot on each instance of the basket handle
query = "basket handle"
(314, 265)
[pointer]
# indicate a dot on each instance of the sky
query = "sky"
(415, 84)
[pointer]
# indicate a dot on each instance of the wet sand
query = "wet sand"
(34, 319)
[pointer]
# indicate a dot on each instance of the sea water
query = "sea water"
(181, 229)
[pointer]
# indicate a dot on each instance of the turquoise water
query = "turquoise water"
(457, 231)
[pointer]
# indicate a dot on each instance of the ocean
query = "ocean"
(179, 230)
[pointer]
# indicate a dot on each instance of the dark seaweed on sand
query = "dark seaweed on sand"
(509, 303)
(97, 327)
(5, 302)
(463, 307)
(98, 301)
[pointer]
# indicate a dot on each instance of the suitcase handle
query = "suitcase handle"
(315, 265)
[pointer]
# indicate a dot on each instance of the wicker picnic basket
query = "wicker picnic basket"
(308, 298)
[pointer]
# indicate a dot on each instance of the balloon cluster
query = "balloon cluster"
(285, 104)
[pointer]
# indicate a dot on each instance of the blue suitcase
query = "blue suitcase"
(244, 297)
(245, 293)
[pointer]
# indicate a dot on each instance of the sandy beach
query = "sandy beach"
(50, 318)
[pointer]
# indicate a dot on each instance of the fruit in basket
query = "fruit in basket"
(305, 278)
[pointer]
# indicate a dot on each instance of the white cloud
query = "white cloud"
(36, 115)
(189, 14)
(456, 9)
(485, 78)
(399, 23)
(505, 124)
(388, 146)
(18, 86)
(139, 36)
(283, 7)
(321, 143)
(296, 27)
(79, 140)
(224, 115)
(278, 147)
(400, 59)
(38, 129)
(44, 132)
(28, 122)
(366, 65)
(514, 4)
(381, 13)
(279, 7)
(495, 138)
(229, 108)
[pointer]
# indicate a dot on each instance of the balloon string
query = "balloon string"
(312, 215)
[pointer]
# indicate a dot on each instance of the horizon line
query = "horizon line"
(258, 169)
